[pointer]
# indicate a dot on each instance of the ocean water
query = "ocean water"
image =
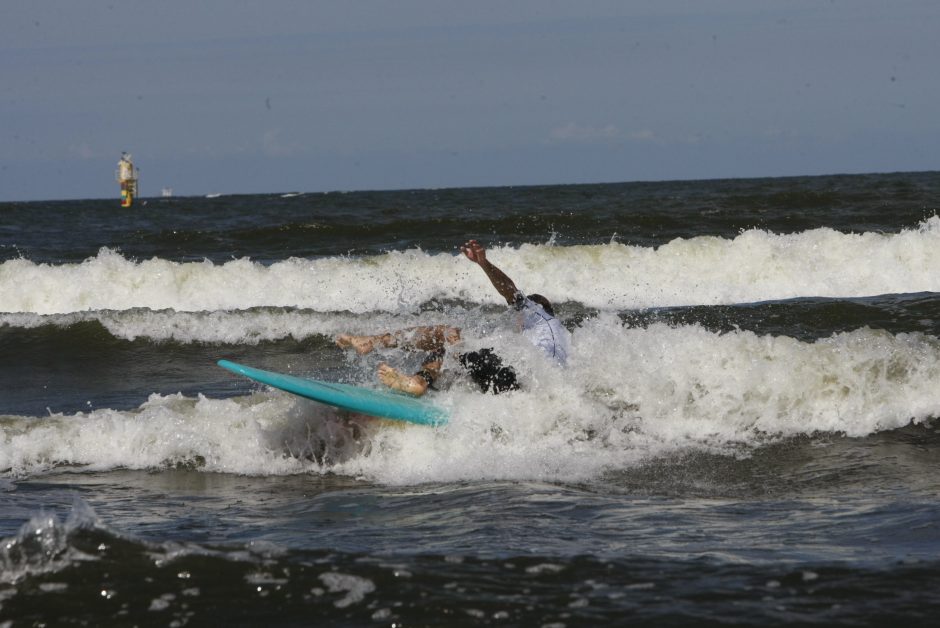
(746, 432)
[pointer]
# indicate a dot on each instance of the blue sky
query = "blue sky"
(229, 96)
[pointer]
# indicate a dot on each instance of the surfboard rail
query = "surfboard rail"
(385, 404)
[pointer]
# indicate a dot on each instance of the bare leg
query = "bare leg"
(395, 379)
(433, 338)
(364, 344)
(416, 384)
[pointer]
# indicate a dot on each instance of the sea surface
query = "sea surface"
(746, 432)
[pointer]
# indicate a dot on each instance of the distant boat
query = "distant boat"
(291, 194)
(166, 192)
(216, 195)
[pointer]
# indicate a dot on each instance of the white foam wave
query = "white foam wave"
(217, 435)
(754, 266)
(244, 327)
(111, 282)
(628, 395)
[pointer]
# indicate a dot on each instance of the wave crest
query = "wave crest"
(754, 266)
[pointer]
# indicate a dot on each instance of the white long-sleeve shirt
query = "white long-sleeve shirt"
(544, 330)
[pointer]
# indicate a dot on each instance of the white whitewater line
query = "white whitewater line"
(706, 270)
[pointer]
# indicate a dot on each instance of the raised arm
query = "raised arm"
(503, 284)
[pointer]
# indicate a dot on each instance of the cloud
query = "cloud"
(608, 134)
(643, 136)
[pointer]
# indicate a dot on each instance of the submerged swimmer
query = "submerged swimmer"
(539, 326)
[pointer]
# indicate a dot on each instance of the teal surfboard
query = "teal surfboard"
(380, 403)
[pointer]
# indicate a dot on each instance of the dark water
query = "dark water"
(271, 227)
(746, 433)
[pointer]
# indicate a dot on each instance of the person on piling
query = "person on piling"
(538, 324)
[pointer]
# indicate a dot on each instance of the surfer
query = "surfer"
(539, 326)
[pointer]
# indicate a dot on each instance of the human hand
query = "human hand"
(474, 251)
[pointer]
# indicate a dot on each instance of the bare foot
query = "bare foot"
(395, 379)
(362, 344)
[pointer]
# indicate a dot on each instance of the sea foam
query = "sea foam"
(708, 270)
(628, 396)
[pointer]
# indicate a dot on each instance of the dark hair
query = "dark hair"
(545, 303)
